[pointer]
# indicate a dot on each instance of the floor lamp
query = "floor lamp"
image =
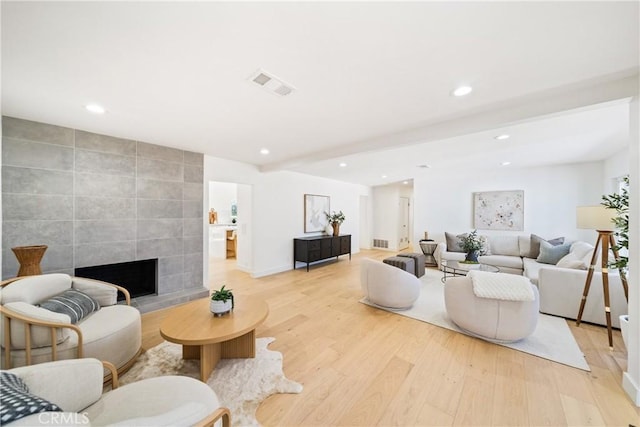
(600, 218)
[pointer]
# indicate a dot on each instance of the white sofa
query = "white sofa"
(75, 386)
(112, 333)
(560, 288)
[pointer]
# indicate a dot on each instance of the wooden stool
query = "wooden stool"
(29, 258)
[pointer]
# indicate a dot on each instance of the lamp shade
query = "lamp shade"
(595, 218)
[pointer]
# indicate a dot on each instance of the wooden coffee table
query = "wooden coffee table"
(209, 338)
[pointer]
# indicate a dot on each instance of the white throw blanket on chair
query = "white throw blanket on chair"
(501, 286)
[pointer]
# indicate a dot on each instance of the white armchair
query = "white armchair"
(31, 334)
(388, 286)
(75, 386)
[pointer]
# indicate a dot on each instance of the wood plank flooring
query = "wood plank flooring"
(362, 367)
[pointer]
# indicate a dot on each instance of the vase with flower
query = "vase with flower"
(335, 219)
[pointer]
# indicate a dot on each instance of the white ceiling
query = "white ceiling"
(371, 78)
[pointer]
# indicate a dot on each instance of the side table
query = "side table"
(29, 258)
(428, 248)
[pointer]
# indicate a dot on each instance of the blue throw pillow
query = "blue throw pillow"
(550, 254)
(16, 402)
(75, 304)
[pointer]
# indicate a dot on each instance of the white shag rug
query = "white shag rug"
(551, 340)
(241, 384)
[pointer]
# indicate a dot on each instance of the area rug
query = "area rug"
(241, 384)
(551, 340)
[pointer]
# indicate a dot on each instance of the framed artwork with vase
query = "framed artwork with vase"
(314, 208)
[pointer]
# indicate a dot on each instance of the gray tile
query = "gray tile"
(98, 231)
(105, 208)
(105, 143)
(93, 184)
(193, 173)
(193, 262)
(168, 266)
(104, 253)
(193, 280)
(26, 233)
(192, 158)
(193, 227)
(160, 169)
(157, 248)
(34, 207)
(168, 284)
(159, 209)
(159, 152)
(36, 155)
(193, 191)
(154, 189)
(159, 229)
(107, 163)
(35, 131)
(193, 245)
(36, 181)
(192, 209)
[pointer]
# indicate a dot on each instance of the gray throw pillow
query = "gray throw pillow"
(75, 304)
(453, 242)
(535, 244)
(550, 254)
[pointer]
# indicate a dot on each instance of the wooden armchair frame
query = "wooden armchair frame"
(9, 315)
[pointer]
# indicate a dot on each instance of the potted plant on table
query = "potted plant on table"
(335, 219)
(221, 301)
(473, 245)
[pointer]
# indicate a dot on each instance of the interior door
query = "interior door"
(403, 215)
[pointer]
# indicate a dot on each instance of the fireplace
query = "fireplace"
(138, 277)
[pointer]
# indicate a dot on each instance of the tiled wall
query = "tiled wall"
(96, 199)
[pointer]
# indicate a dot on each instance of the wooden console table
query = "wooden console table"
(317, 248)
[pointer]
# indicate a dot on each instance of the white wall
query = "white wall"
(444, 199)
(221, 196)
(615, 167)
(385, 214)
(277, 211)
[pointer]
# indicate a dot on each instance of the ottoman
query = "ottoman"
(419, 260)
(403, 263)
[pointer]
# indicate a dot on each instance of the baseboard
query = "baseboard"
(632, 389)
(270, 271)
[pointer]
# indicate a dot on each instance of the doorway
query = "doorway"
(403, 226)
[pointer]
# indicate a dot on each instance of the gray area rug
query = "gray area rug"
(551, 340)
(241, 384)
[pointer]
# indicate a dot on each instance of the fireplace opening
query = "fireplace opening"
(138, 277)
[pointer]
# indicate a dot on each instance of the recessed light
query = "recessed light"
(505, 163)
(264, 151)
(462, 91)
(384, 176)
(95, 108)
(343, 165)
(503, 136)
(405, 182)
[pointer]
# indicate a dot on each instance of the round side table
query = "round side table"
(29, 258)
(428, 248)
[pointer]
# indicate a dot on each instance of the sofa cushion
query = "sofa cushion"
(501, 261)
(531, 269)
(504, 245)
(576, 256)
(524, 244)
(550, 254)
(75, 304)
(33, 289)
(16, 401)
(535, 244)
(99, 291)
(453, 242)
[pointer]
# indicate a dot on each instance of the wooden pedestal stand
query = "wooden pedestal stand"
(606, 237)
(29, 258)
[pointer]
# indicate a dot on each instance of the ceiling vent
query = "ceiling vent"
(271, 83)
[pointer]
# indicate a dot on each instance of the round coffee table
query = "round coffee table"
(208, 338)
(452, 268)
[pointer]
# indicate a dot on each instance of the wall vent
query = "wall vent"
(271, 83)
(380, 243)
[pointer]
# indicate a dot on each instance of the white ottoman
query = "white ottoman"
(493, 319)
(388, 286)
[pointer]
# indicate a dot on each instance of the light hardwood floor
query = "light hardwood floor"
(362, 366)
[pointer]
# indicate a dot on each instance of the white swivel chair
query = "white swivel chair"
(388, 286)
